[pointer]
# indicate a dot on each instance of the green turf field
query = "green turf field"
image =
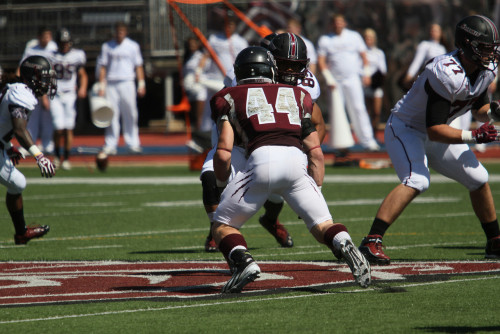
(156, 214)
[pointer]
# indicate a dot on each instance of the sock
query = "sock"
(18, 221)
(379, 227)
(272, 210)
(334, 235)
(491, 229)
(66, 154)
(231, 242)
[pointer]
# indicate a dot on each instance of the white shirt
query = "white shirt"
(121, 59)
(376, 60)
(311, 51)
(226, 50)
(342, 53)
(18, 94)
(447, 78)
(67, 66)
(37, 50)
(426, 50)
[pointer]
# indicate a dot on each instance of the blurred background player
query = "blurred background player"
(69, 64)
(426, 50)
(18, 101)
(226, 44)
(120, 63)
(374, 93)
(275, 142)
(418, 134)
(40, 123)
(343, 63)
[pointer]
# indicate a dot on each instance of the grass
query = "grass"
(166, 222)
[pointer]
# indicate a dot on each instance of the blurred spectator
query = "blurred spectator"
(343, 63)
(295, 27)
(378, 70)
(69, 64)
(426, 50)
(120, 63)
(40, 122)
(196, 92)
(226, 44)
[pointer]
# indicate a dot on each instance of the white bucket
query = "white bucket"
(101, 112)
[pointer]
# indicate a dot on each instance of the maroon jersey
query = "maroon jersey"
(264, 114)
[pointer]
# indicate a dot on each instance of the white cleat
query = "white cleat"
(359, 265)
(246, 271)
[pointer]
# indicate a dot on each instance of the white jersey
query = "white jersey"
(311, 51)
(14, 94)
(67, 66)
(121, 59)
(342, 53)
(226, 49)
(426, 50)
(447, 78)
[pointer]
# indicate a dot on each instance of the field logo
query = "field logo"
(56, 282)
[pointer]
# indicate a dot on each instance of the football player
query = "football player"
(69, 65)
(18, 100)
(275, 136)
(418, 134)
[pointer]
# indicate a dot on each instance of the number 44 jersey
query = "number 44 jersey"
(446, 76)
(263, 114)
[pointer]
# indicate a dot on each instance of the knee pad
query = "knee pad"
(416, 181)
(17, 185)
(476, 179)
(211, 193)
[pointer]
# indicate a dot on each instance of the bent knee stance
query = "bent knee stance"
(418, 182)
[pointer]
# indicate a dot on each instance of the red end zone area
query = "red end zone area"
(62, 282)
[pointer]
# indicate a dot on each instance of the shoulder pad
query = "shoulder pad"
(21, 95)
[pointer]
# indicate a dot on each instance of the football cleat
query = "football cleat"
(210, 245)
(32, 232)
(245, 271)
(493, 248)
(371, 248)
(278, 231)
(359, 265)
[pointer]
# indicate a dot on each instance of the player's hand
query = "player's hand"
(46, 167)
(15, 155)
(485, 134)
(494, 112)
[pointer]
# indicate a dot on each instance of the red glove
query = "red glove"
(45, 165)
(15, 155)
(486, 133)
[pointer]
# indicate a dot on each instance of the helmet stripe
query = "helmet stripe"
(293, 50)
(493, 27)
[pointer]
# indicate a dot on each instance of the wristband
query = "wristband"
(330, 80)
(366, 71)
(141, 84)
(467, 137)
(34, 151)
(220, 184)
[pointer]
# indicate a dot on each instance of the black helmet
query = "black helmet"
(477, 37)
(254, 64)
(290, 53)
(37, 73)
(266, 41)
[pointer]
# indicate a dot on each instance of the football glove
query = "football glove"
(15, 155)
(486, 133)
(494, 112)
(46, 167)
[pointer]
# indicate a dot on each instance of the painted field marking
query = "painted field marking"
(232, 302)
